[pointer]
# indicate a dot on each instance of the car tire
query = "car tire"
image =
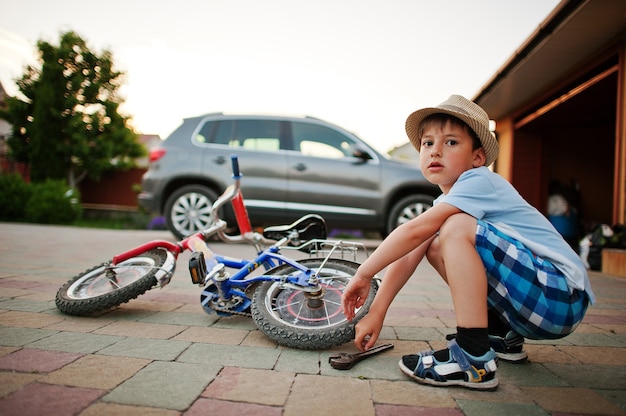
(406, 209)
(189, 210)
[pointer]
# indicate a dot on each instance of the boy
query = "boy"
(511, 275)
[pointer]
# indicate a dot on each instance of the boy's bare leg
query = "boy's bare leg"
(453, 254)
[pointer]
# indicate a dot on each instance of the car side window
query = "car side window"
(248, 134)
(257, 135)
(205, 133)
(320, 141)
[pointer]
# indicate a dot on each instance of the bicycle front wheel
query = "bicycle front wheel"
(104, 286)
(297, 319)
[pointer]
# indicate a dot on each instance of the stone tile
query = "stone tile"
(572, 400)
(11, 381)
(528, 374)
(242, 323)
(7, 350)
(14, 283)
(28, 319)
(178, 317)
(409, 393)
(414, 322)
(332, 396)
(613, 328)
(29, 360)
(151, 349)
(418, 334)
(585, 328)
(96, 372)
(481, 408)
(549, 354)
(8, 293)
(618, 397)
(204, 407)
(593, 340)
(142, 304)
(231, 356)
(140, 330)
(75, 342)
(212, 335)
(403, 347)
(79, 324)
(506, 393)
(48, 400)
(398, 410)
(597, 355)
(251, 385)
(258, 339)
(167, 385)
(127, 314)
(388, 333)
(113, 409)
(591, 376)
(195, 308)
(26, 305)
(18, 337)
(41, 296)
(299, 361)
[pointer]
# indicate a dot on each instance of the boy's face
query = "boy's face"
(445, 153)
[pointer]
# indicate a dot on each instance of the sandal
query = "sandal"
(461, 368)
(508, 348)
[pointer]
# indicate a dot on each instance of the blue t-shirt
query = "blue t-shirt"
(487, 196)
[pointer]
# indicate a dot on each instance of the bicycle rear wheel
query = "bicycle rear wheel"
(97, 289)
(295, 319)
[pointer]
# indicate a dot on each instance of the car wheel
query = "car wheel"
(406, 209)
(188, 210)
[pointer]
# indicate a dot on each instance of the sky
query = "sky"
(364, 65)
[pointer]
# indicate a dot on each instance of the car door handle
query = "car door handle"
(300, 167)
(220, 160)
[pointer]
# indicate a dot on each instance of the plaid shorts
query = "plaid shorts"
(529, 292)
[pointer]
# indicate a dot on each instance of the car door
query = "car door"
(326, 178)
(257, 142)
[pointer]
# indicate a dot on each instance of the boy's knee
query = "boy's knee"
(433, 254)
(458, 225)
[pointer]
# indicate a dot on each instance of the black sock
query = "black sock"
(497, 325)
(474, 341)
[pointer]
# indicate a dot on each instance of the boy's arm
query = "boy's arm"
(405, 239)
(368, 329)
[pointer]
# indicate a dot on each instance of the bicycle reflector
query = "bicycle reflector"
(197, 267)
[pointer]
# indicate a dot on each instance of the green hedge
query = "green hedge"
(49, 202)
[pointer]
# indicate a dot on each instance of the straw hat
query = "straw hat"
(469, 112)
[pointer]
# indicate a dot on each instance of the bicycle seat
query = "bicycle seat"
(309, 227)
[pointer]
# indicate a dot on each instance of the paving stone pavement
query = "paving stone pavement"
(161, 354)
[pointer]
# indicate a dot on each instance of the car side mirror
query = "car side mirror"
(361, 154)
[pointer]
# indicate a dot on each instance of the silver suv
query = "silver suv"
(291, 166)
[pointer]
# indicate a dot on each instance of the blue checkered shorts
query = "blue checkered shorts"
(529, 292)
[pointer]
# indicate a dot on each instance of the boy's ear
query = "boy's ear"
(479, 157)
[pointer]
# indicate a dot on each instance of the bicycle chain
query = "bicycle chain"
(231, 312)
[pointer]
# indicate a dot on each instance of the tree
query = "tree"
(69, 125)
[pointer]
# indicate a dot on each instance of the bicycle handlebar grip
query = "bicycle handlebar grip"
(235, 163)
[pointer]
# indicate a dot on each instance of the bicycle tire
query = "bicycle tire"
(92, 291)
(284, 315)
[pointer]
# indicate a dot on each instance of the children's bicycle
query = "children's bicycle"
(296, 303)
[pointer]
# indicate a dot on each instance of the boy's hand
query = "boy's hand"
(354, 295)
(367, 331)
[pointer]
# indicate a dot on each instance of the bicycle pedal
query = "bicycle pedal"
(197, 267)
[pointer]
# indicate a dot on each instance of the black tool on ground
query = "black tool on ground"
(345, 361)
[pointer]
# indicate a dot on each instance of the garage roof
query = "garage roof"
(568, 37)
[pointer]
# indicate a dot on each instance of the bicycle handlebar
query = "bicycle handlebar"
(235, 163)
